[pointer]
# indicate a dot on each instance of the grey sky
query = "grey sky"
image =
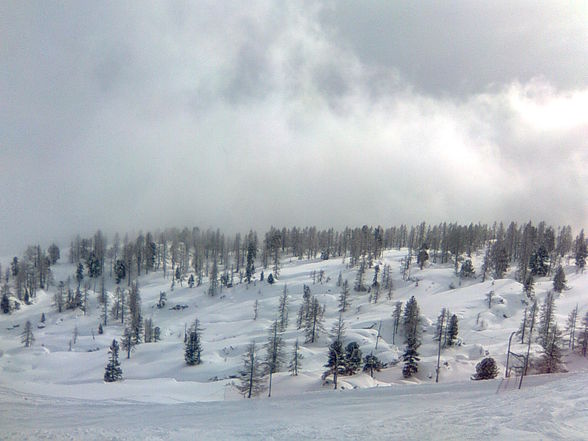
(129, 116)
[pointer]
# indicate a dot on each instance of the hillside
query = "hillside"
(156, 375)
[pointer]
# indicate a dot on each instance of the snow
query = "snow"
(49, 392)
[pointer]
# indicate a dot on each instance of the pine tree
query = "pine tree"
(335, 362)
(283, 309)
(529, 288)
(296, 360)
(583, 336)
(581, 252)
(422, 256)
(539, 262)
(76, 334)
(344, 301)
(551, 361)
(559, 279)
(274, 348)
(304, 308)
(353, 358)
(452, 331)
(486, 369)
(113, 371)
(79, 274)
(467, 270)
(441, 327)
(5, 303)
(148, 330)
(136, 326)
(251, 376)
(27, 337)
(314, 322)
(490, 298)
(359, 286)
(213, 286)
(397, 317)
(571, 327)
(500, 260)
(372, 363)
(411, 325)
(193, 346)
(251, 253)
(546, 319)
(127, 341)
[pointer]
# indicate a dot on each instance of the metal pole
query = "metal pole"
(439, 350)
(506, 374)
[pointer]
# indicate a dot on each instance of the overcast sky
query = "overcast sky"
(137, 115)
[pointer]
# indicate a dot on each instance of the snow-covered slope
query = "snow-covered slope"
(49, 380)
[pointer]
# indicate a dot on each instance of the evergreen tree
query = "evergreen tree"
(397, 317)
(353, 358)
(283, 310)
(529, 288)
(193, 346)
(53, 252)
(27, 338)
(411, 325)
(539, 262)
(251, 376)
(486, 369)
(58, 298)
(452, 331)
(551, 360)
(372, 363)
(546, 319)
(528, 322)
(336, 361)
(441, 327)
(581, 252)
(344, 301)
(5, 303)
(79, 274)
(120, 271)
(213, 286)
(127, 341)
(359, 285)
(500, 260)
(559, 279)
(583, 336)
(295, 362)
(410, 358)
(571, 327)
(136, 315)
(422, 256)
(313, 326)
(490, 298)
(304, 310)
(251, 253)
(274, 356)
(467, 270)
(113, 371)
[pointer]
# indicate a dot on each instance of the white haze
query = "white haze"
(134, 116)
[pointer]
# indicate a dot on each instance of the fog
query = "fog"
(135, 116)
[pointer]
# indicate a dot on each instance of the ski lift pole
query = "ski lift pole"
(506, 374)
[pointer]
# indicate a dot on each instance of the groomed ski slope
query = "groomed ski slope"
(50, 392)
(547, 408)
